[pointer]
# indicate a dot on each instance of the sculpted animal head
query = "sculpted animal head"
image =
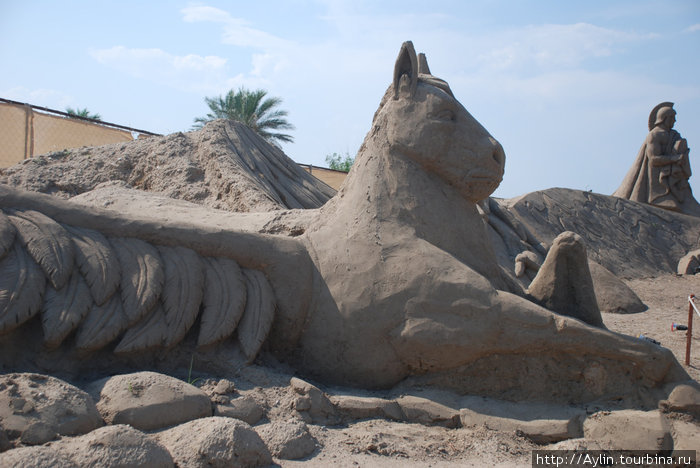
(424, 122)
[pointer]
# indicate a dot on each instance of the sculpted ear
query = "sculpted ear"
(423, 65)
(406, 71)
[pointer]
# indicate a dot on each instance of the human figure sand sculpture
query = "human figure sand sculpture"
(659, 175)
(395, 278)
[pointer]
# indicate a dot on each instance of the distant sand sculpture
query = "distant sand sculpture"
(395, 277)
(659, 175)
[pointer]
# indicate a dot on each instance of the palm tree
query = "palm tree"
(252, 109)
(78, 112)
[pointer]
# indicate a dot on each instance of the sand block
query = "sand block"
(37, 408)
(148, 400)
(629, 430)
(542, 423)
(244, 408)
(312, 403)
(684, 398)
(422, 410)
(358, 407)
(288, 440)
(215, 441)
(118, 445)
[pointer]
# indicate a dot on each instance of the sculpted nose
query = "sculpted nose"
(498, 154)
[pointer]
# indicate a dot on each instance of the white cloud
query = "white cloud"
(236, 31)
(693, 28)
(550, 46)
(188, 72)
(274, 54)
(204, 13)
(197, 62)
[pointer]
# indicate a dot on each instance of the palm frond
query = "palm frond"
(251, 108)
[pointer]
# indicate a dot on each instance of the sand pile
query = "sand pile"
(632, 240)
(225, 165)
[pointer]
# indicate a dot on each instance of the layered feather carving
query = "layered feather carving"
(142, 276)
(48, 244)
(22, 285)
(148, 333)
(259, 313)
(177, 311)
(92, 289)
(64, 309)
(224, 300)
(7, 235)
(97, 262)
(102, 325)
(183, 292)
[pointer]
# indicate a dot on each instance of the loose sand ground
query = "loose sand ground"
(667, 298)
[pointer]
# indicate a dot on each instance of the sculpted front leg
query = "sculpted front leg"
(518, 350)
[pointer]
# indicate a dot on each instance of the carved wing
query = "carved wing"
(97, 289)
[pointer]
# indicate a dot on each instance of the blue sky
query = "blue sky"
(566, 87)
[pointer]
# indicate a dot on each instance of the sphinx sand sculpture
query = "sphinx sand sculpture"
(659, 175)
(394, 278)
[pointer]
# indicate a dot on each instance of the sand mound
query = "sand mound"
(225, 165)
(631, 239)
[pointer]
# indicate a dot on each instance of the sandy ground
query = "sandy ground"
(378, 443)
(667, 298)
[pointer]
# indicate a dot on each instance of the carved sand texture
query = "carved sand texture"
(97, 261)
(224, 300)
(102, 325)
(7, 234)
(630, 239)
(183, 291)
(114, 286)
(564, 284)
(22, 285)
(276, 174)
(47, 242)
(146, 334)
(141, 278)
(64, 309)
(259, 313)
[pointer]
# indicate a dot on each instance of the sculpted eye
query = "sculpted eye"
(444, 114)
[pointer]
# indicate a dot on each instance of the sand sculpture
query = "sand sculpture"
(659, 175)
(563, 284)
(689, 264)
(394, 278)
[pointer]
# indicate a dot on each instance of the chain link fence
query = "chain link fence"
(27, 130)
